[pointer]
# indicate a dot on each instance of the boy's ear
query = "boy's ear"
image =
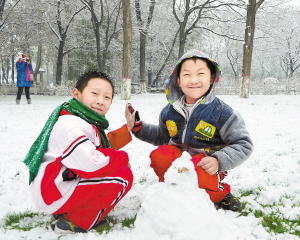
(178, 82)
(75, 93)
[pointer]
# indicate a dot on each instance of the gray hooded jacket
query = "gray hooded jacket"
(211, 126)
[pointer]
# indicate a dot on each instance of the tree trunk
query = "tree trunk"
(7, 70)
(3, 72)
(2, 4)
(142, 62)
(182, 39)
(59, 63)
(127, 51)
(13, 68)
(143, 29)
(38, 63)
(291, 66)
(248, 46)
(97, 36)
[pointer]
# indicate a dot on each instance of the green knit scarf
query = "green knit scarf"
(37, 150)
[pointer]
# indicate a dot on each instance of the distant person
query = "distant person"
(77, 172)
(197, 122)
(24, 67)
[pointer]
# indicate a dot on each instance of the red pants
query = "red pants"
(162, 158)
(94, 198)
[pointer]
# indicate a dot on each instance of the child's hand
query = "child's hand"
(130, 116)
(209, 165)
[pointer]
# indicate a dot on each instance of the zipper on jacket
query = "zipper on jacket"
(187, 116)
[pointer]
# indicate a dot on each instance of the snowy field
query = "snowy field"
(268, 181)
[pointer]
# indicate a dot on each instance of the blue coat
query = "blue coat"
(21, 74)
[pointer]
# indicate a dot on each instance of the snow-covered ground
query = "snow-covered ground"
(166, 211)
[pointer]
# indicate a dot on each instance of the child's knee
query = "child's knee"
(127, 174)
(164, 154)
(162, 158)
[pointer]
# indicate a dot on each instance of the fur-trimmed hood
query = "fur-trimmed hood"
(174, 92)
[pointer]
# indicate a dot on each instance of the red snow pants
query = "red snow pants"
(164, 155)
(94, 198)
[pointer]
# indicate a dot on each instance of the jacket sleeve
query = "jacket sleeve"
(119, 138)
(239, 145)
(156, 135)
(30, 67)
(81, 156)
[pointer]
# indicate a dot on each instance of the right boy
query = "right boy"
(199, 123)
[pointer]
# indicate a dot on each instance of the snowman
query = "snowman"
(178, 209)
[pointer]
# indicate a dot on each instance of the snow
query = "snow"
(176, 209)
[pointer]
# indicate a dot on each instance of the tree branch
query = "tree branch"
(174, 12)
(9, 12)
(257, 5)
(222, 35)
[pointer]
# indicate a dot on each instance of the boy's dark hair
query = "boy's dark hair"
(209, 64)
(83, 79)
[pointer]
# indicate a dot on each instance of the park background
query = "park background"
(60, 37)
(64, 38)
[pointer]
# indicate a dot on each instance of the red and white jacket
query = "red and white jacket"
(74, 152)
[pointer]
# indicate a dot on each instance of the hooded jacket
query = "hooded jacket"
(211, 127)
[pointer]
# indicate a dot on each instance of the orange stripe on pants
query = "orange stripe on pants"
(164, 155)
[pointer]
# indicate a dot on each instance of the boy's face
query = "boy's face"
(194, 79)
(97, 95)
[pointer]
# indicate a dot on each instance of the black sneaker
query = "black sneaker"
(64, 224)
(230, 202)
(102, 225)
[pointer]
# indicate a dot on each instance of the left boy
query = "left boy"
(79, 176)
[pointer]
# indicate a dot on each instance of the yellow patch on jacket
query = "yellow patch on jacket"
(206, 129)
(172, 128)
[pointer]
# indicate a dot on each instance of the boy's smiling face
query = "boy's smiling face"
(194, 79)
(97, 95)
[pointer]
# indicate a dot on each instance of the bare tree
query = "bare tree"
(127, 51)
(59, 28)
(13, 68)
(234, 57)
(188, 11)
(188, 14)
(291, 58)
(143, 29)
(5, 69)
(252, 8)
(38, 62)
(194, 11)
(104, 20)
